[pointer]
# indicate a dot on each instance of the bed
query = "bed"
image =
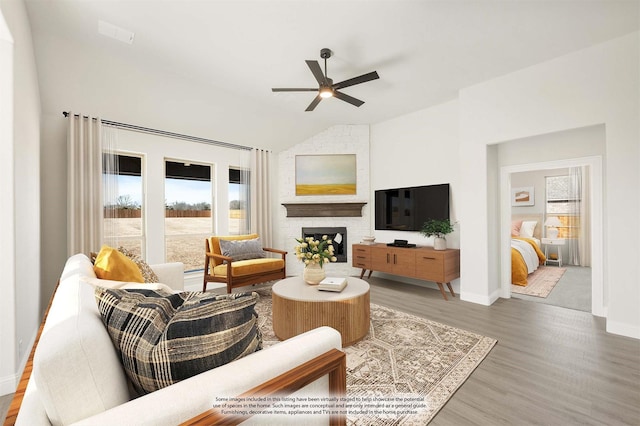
(526, 255)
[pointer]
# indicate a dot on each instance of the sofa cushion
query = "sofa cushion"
(76, 370)
(147, 273)
(111, 264)
(163, 338)
(242, 249)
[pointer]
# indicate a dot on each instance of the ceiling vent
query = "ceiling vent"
(115, 32)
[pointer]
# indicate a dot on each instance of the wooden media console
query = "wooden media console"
(423, 263)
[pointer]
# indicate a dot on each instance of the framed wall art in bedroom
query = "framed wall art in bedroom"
(522, 196)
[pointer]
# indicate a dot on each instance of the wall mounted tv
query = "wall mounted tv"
(406, 209)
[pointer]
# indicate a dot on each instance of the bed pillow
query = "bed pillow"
(515, 228)
(527, 228)
(163, 338)
(111, 264)
(242, 249)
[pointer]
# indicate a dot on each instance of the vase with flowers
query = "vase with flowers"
(314, 254)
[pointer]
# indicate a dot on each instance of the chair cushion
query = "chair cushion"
(163, 338)
(249, 267)
(242, 249)
(111, 264)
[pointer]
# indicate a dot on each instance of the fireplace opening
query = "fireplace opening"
(337, 234)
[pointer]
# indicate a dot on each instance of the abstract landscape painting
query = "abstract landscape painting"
(326, 174)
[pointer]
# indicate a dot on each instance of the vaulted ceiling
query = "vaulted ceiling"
(225, 56)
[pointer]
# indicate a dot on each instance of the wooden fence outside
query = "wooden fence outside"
(136, 213)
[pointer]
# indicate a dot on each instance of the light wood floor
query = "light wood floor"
(551, 366)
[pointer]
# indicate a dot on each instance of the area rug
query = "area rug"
(541, 282)
(406, 368)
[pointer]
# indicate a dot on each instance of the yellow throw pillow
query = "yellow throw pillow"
(112, 265)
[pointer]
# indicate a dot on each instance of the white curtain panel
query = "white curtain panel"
(260, 200)
(111, 170)
(576, 218)
(84, 186)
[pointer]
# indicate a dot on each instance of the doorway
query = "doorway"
(596, 223)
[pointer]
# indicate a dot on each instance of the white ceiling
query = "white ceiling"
(424, 51)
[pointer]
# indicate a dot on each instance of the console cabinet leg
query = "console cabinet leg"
(442, 291)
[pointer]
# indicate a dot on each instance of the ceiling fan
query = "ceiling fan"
(327, 88)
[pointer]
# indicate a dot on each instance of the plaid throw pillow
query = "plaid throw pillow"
(163, 338)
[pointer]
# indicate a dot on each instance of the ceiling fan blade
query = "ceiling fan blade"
(314, 103)
(347, 98)
(357, 80)
(314, 66)
(293, 89)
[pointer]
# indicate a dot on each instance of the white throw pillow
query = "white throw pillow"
(527, 228)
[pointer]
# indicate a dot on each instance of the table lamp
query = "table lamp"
(552, 224)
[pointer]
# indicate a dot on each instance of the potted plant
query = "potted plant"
(437, 228)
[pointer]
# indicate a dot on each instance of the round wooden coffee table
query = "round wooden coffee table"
(299, 307)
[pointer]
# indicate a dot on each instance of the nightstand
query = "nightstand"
(553, 242)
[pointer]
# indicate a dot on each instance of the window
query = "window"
(188, 214)
(564, 206)
(123, 202)
(239, 216)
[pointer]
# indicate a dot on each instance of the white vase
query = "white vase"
(439, 243)
(313, 274)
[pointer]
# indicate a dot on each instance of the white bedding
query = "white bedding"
(528, 254)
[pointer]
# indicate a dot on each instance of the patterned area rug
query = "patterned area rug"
(403, 356)
(541, 282)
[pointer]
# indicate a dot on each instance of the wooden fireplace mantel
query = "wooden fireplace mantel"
(324, 209)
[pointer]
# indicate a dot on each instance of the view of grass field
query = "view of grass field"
(184, 236)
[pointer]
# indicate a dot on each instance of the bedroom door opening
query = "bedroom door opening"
(595, 225)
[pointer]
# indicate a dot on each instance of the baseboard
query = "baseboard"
(8, 384)
(623, 329)
(480, 299)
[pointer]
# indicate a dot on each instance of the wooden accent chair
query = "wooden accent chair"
(219, 268)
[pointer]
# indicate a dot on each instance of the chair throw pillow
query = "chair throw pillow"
(242, 249)
(163, 338)
(146, 271)
(111, 264)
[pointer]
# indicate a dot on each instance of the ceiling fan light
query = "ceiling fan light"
(326, 92)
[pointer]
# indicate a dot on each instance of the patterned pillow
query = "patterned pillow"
(163, 338)
(242, 249)
(146, 271)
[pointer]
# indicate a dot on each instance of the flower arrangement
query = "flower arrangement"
(311, 251)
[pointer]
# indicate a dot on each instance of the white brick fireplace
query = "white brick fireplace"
(344, 139)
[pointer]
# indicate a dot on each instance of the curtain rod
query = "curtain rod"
(165, 133)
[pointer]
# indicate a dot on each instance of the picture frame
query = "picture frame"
(523, 196)
(331, 174)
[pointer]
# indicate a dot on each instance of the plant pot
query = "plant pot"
(313, 274)
(439, 243)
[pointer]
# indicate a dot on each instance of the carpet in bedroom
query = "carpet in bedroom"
(402, 355)
(541, 282)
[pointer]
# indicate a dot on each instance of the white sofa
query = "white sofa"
(77, 377)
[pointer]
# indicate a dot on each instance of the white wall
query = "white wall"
(598, 85)
(20, 153)
(420, 148)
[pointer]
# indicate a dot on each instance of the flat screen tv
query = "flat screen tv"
(406, 209)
